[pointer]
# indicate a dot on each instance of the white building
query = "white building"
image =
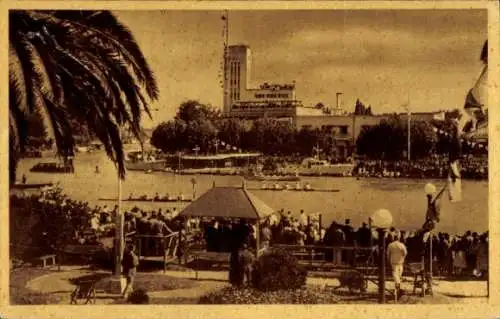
(241, 100)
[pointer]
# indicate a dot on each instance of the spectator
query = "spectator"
(303, 218)
(396, 253)
(266, 236)
(130, 261)
(246, 261)
(363, 235)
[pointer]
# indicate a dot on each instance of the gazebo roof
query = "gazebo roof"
(228, 202)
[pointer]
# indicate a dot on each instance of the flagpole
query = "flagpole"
(430, 261)
(409, 126)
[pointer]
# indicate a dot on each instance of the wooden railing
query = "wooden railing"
(334, 256)
(157, 245)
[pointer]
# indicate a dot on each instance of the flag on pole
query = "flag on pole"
(454, 182)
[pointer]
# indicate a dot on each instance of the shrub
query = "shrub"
(138, 297)
(278, 270)
(233, 295)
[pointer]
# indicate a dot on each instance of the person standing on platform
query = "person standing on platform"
(396, 253)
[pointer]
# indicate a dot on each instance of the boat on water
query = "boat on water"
(293, 188)
(52, 167)
(140, 199)
(134, 161)
(227, 163)
(156, 198)
(316, 167)
(271, 178)
(30, 186)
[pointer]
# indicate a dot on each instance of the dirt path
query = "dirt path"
(58, 283)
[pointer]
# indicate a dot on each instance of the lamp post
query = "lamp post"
(381, 219)
(429, 190)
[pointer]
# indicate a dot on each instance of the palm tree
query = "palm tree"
(76, 65)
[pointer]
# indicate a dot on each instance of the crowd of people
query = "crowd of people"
(91, 223)
(465, 254)
(434, 167)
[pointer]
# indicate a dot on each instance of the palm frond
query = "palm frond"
(104, 26)
(78, 65)
(17, 115)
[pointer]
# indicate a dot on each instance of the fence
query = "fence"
(333, 256)
(153, 246)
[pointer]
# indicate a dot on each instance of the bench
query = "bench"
(306, 256)
(215, 257)
(44, 258)
(85, 251)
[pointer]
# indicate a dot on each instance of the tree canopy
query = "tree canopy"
(81, 65)
(389, 139)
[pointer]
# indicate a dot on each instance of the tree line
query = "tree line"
(202, 127)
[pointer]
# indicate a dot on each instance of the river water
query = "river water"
(357, 198)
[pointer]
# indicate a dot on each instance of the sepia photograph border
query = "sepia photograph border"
(491, 309)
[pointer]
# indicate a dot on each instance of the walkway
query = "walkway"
(58, 283)
(473, 290)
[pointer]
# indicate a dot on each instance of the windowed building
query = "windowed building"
(243, 101)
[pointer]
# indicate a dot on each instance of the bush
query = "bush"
(278, 270)
(233, 295)
(138, 297)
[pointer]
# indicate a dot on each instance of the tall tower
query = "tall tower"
(225, 63)
(238, 61)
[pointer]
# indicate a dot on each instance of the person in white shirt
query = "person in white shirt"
(303, 218)
(94, 222)
(396, 253)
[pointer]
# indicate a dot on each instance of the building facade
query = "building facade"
(279, 101)
(346, 128)
(243, 101)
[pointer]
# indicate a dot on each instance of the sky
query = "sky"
(382, 57)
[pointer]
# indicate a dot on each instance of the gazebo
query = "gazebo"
(229, 202)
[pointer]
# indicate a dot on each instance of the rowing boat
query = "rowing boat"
(161, 200)
(296, 190)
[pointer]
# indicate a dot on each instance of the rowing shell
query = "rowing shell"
(147, 200)
(296, 190)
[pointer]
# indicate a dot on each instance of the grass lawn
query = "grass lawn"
(20, 295)
(147, 281)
